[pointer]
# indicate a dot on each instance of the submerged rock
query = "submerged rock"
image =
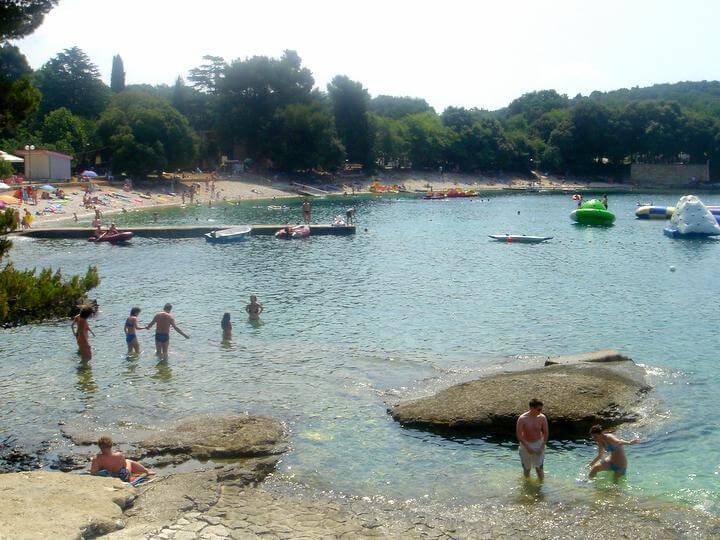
(58, 505)
(576, 396)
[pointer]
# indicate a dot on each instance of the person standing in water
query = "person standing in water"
(254, 309)
(226, 326)
(164, 322)
(532, 434)
(605, 201)
(615, 461)
(131, 327)
(306, 211)
(81, 329)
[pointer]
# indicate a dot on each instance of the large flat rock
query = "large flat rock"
(576, 396)
(59, 505)
(227, 436)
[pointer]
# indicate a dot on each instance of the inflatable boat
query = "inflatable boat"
(298, 231)
(117, 238)
(593, 212)
(519, 238)
(226, 236)
(654, 212)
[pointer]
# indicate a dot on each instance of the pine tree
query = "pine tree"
(117, 77)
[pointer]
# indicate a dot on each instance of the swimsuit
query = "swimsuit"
(162, 337)
(533, 460)
(613, 466)
(129, 337)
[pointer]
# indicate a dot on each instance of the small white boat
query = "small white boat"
(520, 238)
(226, 236)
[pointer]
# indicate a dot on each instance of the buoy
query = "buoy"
(672, 268)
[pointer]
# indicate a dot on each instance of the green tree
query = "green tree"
(117, 76)
(427, 138)
(207, 76)
(350, 103)
(27, 297)
(18, 97)
(66, 132)
(391, 142)
(72, 81)
(398, 107)
(250, 94)
(145, 134)
(303, 137)
(19, 18)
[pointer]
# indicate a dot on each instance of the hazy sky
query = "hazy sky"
(473, 54)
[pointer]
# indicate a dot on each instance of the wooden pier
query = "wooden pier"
(179, 231)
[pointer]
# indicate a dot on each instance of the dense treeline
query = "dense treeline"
(269, 111)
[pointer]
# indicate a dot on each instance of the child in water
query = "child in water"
(254, 309)
(226, 327)
(131, 327)
(80, 329)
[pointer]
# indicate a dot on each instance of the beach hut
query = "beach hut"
(46, 165)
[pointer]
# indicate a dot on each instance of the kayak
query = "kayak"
(120, 237)
(226, 236)
(593, 212)
(519, 238)
(298, 231)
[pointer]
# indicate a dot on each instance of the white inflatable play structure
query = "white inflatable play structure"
(692, 219)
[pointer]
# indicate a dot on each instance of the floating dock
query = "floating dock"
(179, 231)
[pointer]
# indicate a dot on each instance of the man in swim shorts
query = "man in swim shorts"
(164, 321)
(115, 463)
(532, 434)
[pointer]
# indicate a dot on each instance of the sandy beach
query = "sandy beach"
(113, 198)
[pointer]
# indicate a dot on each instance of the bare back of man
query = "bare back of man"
(164, 321)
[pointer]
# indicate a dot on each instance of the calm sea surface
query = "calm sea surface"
(419, 300)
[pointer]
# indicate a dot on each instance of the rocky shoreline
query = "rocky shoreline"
(217, 481)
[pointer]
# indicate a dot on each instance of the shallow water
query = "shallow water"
(418, 301)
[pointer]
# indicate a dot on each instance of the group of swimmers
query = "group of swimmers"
(532, 434)
(164, 321)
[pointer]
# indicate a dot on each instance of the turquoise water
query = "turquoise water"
(419, 300)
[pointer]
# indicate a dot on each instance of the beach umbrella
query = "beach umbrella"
(4, 156)
(9, 199)
(47, 187)
(89, 174)
(3, 185)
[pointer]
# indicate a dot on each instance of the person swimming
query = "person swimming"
(164, 322)
(80, 329)
(116, 464)
(254, 309)
(226, 326)
(615, 461)
(131, 327)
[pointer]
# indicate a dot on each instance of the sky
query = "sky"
(476, 53)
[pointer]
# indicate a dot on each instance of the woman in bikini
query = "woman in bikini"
(131, 327)
(80, 329)
(254, 309)
(615, 461)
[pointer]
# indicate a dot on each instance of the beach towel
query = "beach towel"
(125, 476)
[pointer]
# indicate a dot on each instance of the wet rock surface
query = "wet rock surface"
(576, 396)
(14, 457)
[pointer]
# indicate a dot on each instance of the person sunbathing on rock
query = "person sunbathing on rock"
(115, 464)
